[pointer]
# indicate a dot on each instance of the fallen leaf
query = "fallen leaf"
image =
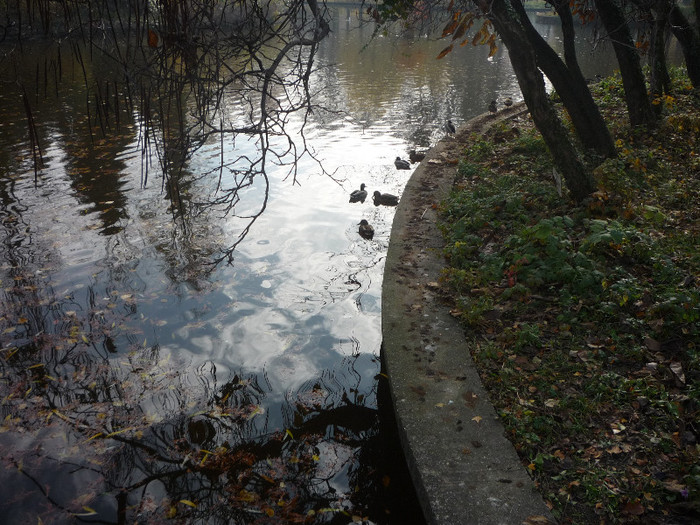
(634, 508)
(477, 419)
(470, 399)
(677, 370)
(652, 344)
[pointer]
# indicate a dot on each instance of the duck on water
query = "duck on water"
(402, 164)
(386, 199)
(359, 195)
(366, 230)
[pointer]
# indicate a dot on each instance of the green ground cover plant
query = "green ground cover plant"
(584, 320)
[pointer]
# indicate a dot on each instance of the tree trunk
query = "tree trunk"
(523, 59)
(570, 84)
(689, 39)
(660, 81)
(638, 105)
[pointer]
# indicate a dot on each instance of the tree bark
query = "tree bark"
(569, 83)
(638, 105)
(523, 58)
(689, 39)
(660, 81)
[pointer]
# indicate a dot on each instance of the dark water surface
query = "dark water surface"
(138, 383)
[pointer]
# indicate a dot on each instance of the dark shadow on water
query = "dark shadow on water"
(400, 502)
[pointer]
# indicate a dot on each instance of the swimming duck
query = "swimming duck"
(366, 231)
(508, 102)
(492, 107)
(450, 128)
(416, 156)
(387, 199)
(401, 164)
(359, 195)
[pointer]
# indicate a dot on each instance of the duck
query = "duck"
(492, 107)
(366, 230)
(416, 156)
(401, 164)
(450, 128)
(359, 195)
(508, 102)
(387, 199)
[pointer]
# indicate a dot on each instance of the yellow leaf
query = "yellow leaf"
(289, 433)
(477, 419)
(269, 512)
(315, 457)
(188, 503)
(85, 339)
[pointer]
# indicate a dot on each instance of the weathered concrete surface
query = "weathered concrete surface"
(464, 469)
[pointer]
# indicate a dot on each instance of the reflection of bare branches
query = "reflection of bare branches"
(233, 75)
(142, 431)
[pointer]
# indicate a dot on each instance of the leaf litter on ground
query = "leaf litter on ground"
(585, 320)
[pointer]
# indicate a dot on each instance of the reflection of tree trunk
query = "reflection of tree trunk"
(638, 104)
(569, 82)
(524, 62)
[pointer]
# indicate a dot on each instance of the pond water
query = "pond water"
(140, 383)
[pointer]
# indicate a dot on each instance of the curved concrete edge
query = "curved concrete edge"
(464, 469)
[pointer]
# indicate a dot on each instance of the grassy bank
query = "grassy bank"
(584, 320)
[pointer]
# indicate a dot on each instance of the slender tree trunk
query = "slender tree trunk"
(638, 105)
(660, 81)
(522, 56)
(689, 39)
(570, 84)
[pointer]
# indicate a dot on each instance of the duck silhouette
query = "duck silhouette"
(401, 164)
(366, 230)
(492, 107)
(450, 128)
(416, 156)
(386, 199)
(359, 195)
